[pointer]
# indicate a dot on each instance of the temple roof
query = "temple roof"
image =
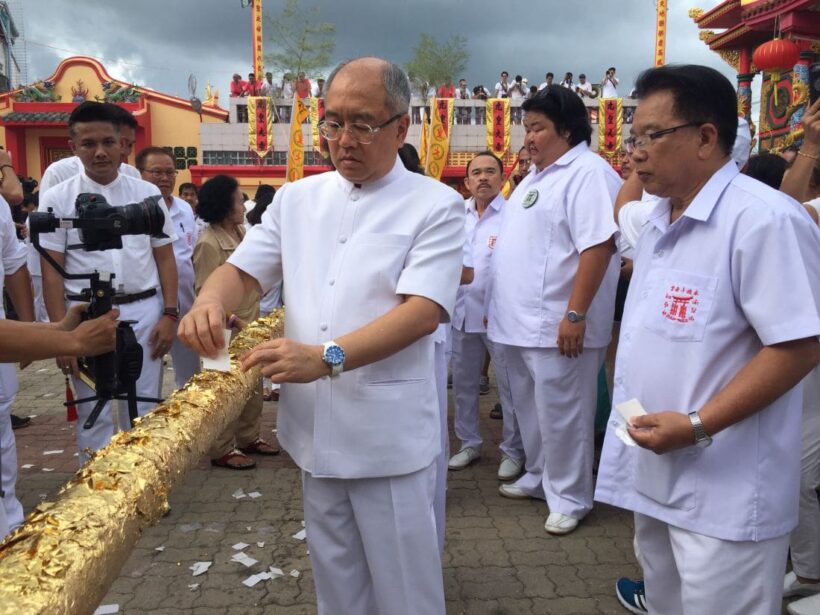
(32, 117)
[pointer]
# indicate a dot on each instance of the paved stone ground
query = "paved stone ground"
(498, 558)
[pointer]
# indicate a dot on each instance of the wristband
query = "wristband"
(232, 321)
(173, 317)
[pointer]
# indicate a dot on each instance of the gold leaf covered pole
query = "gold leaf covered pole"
(68, 552)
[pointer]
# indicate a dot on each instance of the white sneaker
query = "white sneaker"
(512, 491)
(463, 458)
(560, 524)
(792, 587)
(509, 468)
(805, 606)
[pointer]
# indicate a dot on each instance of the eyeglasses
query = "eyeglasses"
(161, 173)
(643, 141)
(361, 133)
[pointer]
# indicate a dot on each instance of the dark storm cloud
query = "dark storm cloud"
(159, 42)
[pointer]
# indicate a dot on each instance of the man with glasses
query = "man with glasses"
(157, 167)
(370, 256)
(144, 268)
(720, 326)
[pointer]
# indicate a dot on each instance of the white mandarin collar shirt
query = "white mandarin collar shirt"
(13, 252)
(187, 233)
(482, 235)
(347, 255)
(739, 269)
(65, 168)
(133, 265)
(538, 249)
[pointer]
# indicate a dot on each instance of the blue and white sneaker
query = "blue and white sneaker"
(631, 595)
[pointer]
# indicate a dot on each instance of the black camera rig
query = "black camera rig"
(112, 375)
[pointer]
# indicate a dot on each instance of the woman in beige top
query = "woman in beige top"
(221, 205)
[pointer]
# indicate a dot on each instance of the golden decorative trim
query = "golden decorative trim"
(695, 13)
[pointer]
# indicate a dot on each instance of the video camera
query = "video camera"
(101, 226)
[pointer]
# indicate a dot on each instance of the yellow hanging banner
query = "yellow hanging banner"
(498, 125)
(317, 114)
(424, 140)
(260, 125)
(610, 126)
(441, 111)
(296, 149)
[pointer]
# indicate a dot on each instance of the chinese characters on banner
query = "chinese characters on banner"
(260, 125)
(610, 125)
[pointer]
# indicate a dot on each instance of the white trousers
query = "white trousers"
(554, 399)
(186, 363)
(40, 313)
(12, 509)
(805, 539)
(686, 573)
(373, 544)
(440, 496)
(468, 358)
(146, 313)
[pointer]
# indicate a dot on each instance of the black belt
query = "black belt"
(119, 299)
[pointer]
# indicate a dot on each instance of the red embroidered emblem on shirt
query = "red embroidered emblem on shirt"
(681, 304)
(491, 241)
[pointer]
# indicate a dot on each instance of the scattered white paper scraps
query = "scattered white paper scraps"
(222, 362)
(628, 410)
(107, 609)
(193, 586)
(27, 466)
(240, 545)
(276, 572)
(76, 455)
(254, 494)
(303, 524)
(160, 548)
(32, 416)
(54, 452)
(200, 568)
(189, 527)
(249, 528)
(42, 370)
(46, 396)
(300, 535)
(254, 579)
(244, 559)
(48, 469)
(239, 494)
(260, 544)
(295, 574)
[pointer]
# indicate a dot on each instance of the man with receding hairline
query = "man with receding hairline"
(370, 268)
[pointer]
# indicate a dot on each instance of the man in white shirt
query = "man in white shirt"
(552, 302)
(267, 88)
(502, 88)
(144, 268)
(548, 79)
(719, 328)
(485, 175)
(370, 269)
(584, 88)
(609, 84)
(157, 167)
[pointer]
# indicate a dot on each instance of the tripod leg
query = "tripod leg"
(92, 418)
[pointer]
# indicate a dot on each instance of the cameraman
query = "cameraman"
(144, 268)
(609, 84)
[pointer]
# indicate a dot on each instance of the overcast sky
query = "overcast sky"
(158, 43)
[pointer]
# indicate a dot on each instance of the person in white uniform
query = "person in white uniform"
(485, 175)
(719, 328)
(148, 291)
(369, 271)
(157, 167)
(551, 306)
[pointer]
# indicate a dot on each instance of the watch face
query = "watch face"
(334, 355)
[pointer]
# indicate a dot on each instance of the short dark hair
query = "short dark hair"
(565, 109)
(491, 155)
(503, 72)
(216, 198)
(187, 186)
(125, 116)
(263, 198)
(767, 168)
(701, 95)
(409, 157)
(582, 76)
(550, 75)
(91, 111)
(153, 150)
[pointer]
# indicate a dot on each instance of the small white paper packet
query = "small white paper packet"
(222, 362)
(628, 410)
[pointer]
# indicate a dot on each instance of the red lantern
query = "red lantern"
(775, 57)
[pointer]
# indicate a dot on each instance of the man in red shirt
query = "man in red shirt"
(448, 90)
(302, 85)
(238, 87)
(252, 87)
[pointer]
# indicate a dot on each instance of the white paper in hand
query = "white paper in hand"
(222, 362)
(628, 410)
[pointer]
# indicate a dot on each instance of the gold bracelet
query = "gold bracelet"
(805, 155)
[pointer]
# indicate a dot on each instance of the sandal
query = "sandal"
(259, 447)
(234, 460)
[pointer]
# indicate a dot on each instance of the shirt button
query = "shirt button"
(323, 326)
(354, 197)
(332, 282)
(619, 380)
(342, 239)
(659, 253)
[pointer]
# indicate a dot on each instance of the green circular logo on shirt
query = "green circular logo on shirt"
(530, 199)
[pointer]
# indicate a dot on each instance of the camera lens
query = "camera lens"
(143, 218)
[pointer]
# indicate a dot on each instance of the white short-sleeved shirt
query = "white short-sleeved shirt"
(742, 148)
(610, 90)
(133, 266)
(500, 91)
(586, 87)
(739, 270)
(482, 234)
(187, 233)
(347, 258)
(65, 168)
(631, 219)
(12, 251)
(538, 249)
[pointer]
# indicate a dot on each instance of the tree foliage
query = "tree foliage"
(437, 64)
(301, 41)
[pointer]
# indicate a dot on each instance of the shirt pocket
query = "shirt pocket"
(679, 304)
(669, 479)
